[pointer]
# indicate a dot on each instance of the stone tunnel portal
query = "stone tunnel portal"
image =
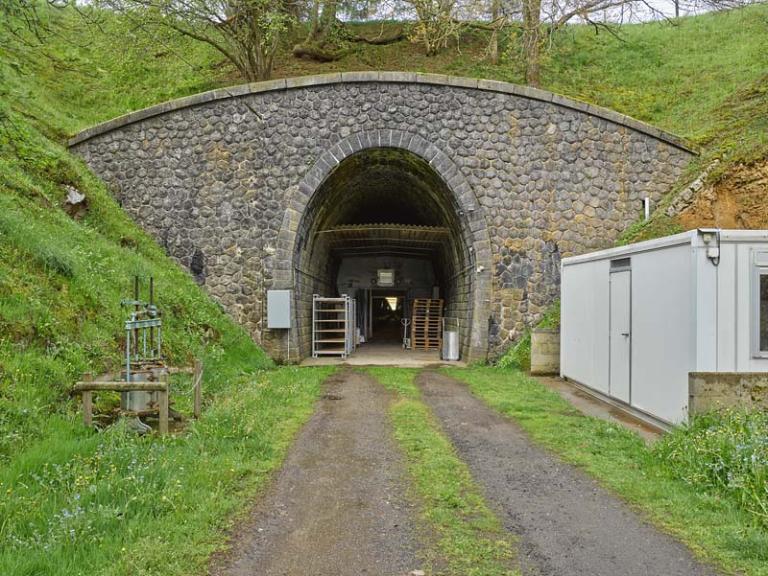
(383, 210)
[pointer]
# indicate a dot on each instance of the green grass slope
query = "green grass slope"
(61, 282)
(73, 501)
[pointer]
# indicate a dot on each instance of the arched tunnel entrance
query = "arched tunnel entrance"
(386, 229)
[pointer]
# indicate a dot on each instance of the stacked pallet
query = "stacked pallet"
(426, 324)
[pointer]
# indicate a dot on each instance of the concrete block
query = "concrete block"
(398, 77)
(362, 76)
(315, 80)
(720, 390)
(545, 351)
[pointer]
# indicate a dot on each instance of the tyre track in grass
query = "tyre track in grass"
(338, 505)
(465, 537)
(566, 522)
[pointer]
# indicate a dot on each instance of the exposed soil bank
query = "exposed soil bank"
(337, 507)
(736, 201)
(566, 522)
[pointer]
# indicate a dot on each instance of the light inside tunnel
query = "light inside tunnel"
(383, 209)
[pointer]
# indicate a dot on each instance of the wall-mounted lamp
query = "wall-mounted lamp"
(711, 239)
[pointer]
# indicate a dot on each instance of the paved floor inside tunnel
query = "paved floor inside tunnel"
(384, 354)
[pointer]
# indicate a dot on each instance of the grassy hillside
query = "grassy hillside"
(703, 78)
(61, 279)
(73, 501)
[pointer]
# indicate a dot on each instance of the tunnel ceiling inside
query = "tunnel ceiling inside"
(384, 202)
(378, 239)
(385, 185)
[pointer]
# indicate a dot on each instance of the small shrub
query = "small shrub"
(724, 453)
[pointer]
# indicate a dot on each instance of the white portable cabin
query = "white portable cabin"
(636, 320)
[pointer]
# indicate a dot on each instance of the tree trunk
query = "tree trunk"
(321, 22)
(314, 28)
(532, 41)
(493, 52)
(328, 17)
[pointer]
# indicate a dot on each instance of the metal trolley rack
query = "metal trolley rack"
(333, 326)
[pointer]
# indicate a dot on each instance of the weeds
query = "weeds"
(78, 502)
(724, 453)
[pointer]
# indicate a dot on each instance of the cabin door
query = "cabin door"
(620, 335)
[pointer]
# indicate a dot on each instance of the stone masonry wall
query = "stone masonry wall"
(718, 390)
(211, 176)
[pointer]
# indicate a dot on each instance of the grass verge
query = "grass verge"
(79, 502)
(470, 538)
(715, 527)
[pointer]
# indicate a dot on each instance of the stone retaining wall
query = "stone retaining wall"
(716, 390)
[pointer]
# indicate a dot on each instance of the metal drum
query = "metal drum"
(139, 401)
(450, 345)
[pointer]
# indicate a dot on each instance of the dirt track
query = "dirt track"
(337, 507)
(567, 523)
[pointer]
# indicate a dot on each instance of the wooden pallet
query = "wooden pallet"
(426, 324)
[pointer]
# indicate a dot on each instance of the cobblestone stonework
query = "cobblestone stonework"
(215, 177)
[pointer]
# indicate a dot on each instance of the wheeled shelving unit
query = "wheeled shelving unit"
(333, 326)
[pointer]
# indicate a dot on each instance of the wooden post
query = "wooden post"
(163, 416)
(198, 389)
(88, 402)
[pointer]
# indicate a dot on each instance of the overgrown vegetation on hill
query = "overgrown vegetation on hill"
(74, 501)
(61, 278)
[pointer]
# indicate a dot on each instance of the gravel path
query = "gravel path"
(337, 507)
(567, 523)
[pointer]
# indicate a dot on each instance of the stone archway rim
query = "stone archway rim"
(470, 213)
(415, 78)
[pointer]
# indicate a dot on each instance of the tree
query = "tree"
(532, 39)
(497, 22)
(329, 39)
(543, 19)
(29, 21)
(245, 32)
(322, 21)
(436, 24)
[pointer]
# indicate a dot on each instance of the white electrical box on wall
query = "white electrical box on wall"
(278, 309)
